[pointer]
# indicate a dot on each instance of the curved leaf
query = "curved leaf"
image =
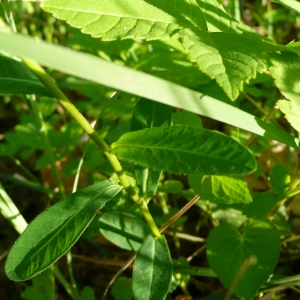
(55, 230)
(184, 149)
(221, 189)
(16, 78)
(152, 270)
(228, 250)
(112, 19)
(123, 229)
(122, 78)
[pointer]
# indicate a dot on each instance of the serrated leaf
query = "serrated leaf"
(280, 178)
(152, 270)
(55, 230)
(123, 229)
(230, 63)
(262, 205)
(286, 71)
(112, 19)
(16, 78)
(184, 149)
(228, 250)
(220, 189)
(149, 114)
(43, 287)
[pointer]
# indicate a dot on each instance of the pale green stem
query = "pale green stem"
(47, 147)
(86, 126)
(19, 164)
(65, 283)
(237, 10)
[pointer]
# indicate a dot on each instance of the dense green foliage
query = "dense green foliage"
(158, 125)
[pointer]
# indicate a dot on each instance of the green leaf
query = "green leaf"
(87, 294)
(149, 114)
(122, 78)
(220, 189)
(16, 78)
(262, 205)
(186, 118)
(152, 270)
(286, 71)
(184, 149)
(43, 287)
(55, 230)
(171, 186)
(230, 63)
(123, 229)
(291, 4)
(228, 251)
(112, 20)
(280, 178)
(121, 289)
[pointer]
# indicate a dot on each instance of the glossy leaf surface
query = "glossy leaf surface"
(55, 230)
(228, 251)
(184, 149)
(220, 189)
(149, 114)
(16, 78)
(152, 270)
(123, 229)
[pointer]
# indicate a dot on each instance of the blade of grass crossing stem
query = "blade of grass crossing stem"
(152, 270)
(124, 79)
(41, 245)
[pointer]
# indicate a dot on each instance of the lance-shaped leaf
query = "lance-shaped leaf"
(230, 63)
(16, 78)
(113, 19)
(286, 71)
(149, 114)
(220, 189)
(152, 270)
(244, 261)
(291, 4)
(55, 230)
(184, 149)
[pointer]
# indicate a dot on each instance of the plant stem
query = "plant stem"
(86, 126)
(47, 147)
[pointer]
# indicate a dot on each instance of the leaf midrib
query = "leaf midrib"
(64, 226)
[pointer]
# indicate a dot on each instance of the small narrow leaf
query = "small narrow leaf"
(280, 178)
(123, 229)
(184, 149)
(228, 251)
(262, 205)
(231, 64)
(291, 4)
(220, 189)
(55, 230)
(152, 270)
(16, 78)
(149, 114)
